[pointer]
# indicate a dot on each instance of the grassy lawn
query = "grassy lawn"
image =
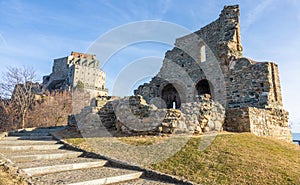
(236, 159)
(231, 159)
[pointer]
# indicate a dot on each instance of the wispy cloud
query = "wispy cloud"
(3, 43)
(165, 6)
(254, 14)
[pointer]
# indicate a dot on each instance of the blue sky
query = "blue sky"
(34, 32)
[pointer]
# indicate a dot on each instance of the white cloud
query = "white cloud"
(254, 14)
(165, 6)
(3, 43)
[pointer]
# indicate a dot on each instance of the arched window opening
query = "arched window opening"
(171, 97)
(203, 87)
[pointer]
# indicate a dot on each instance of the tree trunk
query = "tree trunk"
(23, 119)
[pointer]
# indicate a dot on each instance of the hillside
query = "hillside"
(236, 159)
(231, 159)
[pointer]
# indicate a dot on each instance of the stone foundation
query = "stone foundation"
(261, 122)
(133, 116)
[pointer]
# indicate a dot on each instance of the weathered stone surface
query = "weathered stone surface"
(132, 115)
(262, 122)
(77, 67)
(201, 77)
(205, 114)
(210, 61)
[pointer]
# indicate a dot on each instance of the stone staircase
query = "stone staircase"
(45, 161)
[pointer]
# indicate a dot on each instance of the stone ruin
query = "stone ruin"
(133, 116)
(205, 84)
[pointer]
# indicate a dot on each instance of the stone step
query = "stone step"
(23, 158)
(28, 134)
(39, 163)
(30, 147)
(29, 138)
(33, 152)
(111, 180)
(26, 142)
(41, 129)
(88, 176)
(60, 168)
(146, 181)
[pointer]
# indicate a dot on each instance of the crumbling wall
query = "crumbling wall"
(271, 122)
(253, 84)
(133, 116)
(182, 66)
(204, 115)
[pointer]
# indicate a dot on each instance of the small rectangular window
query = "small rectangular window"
(202, 54)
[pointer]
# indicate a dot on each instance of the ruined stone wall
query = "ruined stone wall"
(180, 70)
(214, 53)
(237, 120)
(253, 84)
(270, 122)
(184, 68)
(60, 69)
(133, 116)
(261, 122)
(204, 115)
(247, 83)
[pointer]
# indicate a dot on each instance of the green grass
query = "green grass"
(236, 159)
(230, 159)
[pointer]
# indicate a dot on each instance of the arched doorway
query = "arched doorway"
(202, 87)
(171, 97)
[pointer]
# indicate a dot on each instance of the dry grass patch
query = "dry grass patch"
(236, 159)
(6, 178)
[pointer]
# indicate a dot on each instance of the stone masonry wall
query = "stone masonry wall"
(270, 122)
(261, 122)
(133, 116)
(204, 115)
(248, 83)
(240, 84)
(253, 84)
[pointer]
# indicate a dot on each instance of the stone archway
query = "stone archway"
(171, 97)
(203, 87)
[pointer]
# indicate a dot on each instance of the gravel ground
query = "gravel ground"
(80, 175)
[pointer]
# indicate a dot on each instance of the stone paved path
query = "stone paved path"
(37, 154)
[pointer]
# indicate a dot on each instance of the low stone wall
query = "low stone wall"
(270, 122)
(237, 120)
(261, 122)
(135, 116)
(132, 115)
(204, 116)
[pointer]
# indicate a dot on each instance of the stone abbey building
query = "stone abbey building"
(78, 67)
(205, 84)
(210, 61)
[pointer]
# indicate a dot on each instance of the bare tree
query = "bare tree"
(17, 84)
